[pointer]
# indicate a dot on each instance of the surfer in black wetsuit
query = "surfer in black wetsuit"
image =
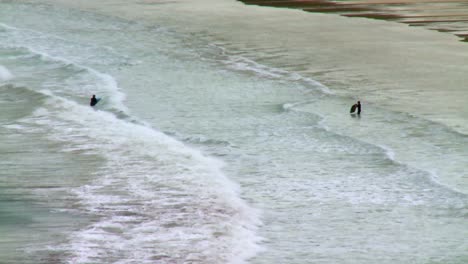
(93, 101)
(358, 106)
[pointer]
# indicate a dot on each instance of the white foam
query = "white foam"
(241, 63)
(14, 126)
(5, 74)
(292, 106)
(389, 152)
(7, 26)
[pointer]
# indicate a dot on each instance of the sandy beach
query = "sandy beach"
(444, 16)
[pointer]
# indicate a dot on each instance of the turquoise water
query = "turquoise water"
(220, 143)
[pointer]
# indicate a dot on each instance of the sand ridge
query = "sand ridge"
(441, 15)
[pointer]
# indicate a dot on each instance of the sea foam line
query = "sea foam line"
(241, 63)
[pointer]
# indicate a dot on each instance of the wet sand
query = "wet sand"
(447, 16)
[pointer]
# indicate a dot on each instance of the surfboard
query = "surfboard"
(97, 101)
(353, 108)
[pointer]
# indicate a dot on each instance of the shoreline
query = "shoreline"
(446, 16)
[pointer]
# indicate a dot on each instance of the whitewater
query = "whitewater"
(224, 136)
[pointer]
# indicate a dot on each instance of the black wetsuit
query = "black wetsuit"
(93, 101)
(358, 109)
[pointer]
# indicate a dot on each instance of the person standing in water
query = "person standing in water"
(356, 105)
(93, 101)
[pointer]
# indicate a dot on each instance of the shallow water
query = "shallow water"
(217, 144)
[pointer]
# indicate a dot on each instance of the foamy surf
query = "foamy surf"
(153, 199)
(327, 191)
(5, 74)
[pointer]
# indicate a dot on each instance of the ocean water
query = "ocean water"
(223, 136)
